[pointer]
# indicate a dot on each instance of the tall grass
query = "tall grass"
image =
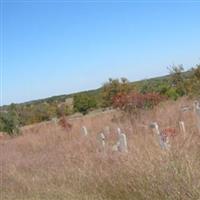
(48, 163)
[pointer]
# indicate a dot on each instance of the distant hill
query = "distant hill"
(101, 98)
(62, 98)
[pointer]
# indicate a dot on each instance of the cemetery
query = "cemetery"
(84, 157)
(100, 100)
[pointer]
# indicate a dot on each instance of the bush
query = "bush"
(193, 84)
(9, 123)
(62, 110)
(112, 88)
(134, 101)
(172, 94)
(177, 79)
(83, 103)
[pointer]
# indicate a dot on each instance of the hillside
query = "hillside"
(51, 162)
(115, 93)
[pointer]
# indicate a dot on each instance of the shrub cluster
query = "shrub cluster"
(9, 123)
(134, 101)
(84, 103)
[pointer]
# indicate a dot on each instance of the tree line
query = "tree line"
(116, 93)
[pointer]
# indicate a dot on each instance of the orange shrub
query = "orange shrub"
(136, 100)
(63, 122)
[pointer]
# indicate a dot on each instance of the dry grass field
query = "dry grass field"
(50, 163)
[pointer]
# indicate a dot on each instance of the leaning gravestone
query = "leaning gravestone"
(182, 128)
(84, 131)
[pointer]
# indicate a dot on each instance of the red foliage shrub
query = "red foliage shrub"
(63, 122)
(169, 132)
(136, 101)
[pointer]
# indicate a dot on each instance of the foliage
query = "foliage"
(34, 113)
(62, 110)
(193, 83)
(172, 86)
(9, 123)
(112, 88)
(177, 79)
(134, 101)
(84, 103)
(172, 93)
(156, 86)
(63, 122)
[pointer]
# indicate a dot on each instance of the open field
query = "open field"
(49, 163)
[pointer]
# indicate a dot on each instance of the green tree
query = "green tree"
(172, 93)
(193, 83)
(177, 79)
(9, 123)
(83, 103)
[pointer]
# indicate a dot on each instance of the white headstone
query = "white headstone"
(119, 132)
(122, 145)
(197, 112)
(102, 140)
(84, 131)
(163, 141)
(155, 128)
(182, 128)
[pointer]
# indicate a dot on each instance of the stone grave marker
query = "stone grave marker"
(102, 138)
(84, 131)
(197, 113)
(182, 128)
(122, 143)
(163, 141)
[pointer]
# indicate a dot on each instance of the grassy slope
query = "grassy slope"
(49, 163)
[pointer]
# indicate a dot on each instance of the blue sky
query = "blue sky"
(55, 47)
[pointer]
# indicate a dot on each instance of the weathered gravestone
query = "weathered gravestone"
(163, 140)
(197, 113)
(182, 128)
(102, 138)
(122, 143)
(119, 132)
(84, 131)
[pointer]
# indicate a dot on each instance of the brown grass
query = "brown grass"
(48, 163)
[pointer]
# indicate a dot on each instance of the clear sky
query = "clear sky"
(58, 47)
